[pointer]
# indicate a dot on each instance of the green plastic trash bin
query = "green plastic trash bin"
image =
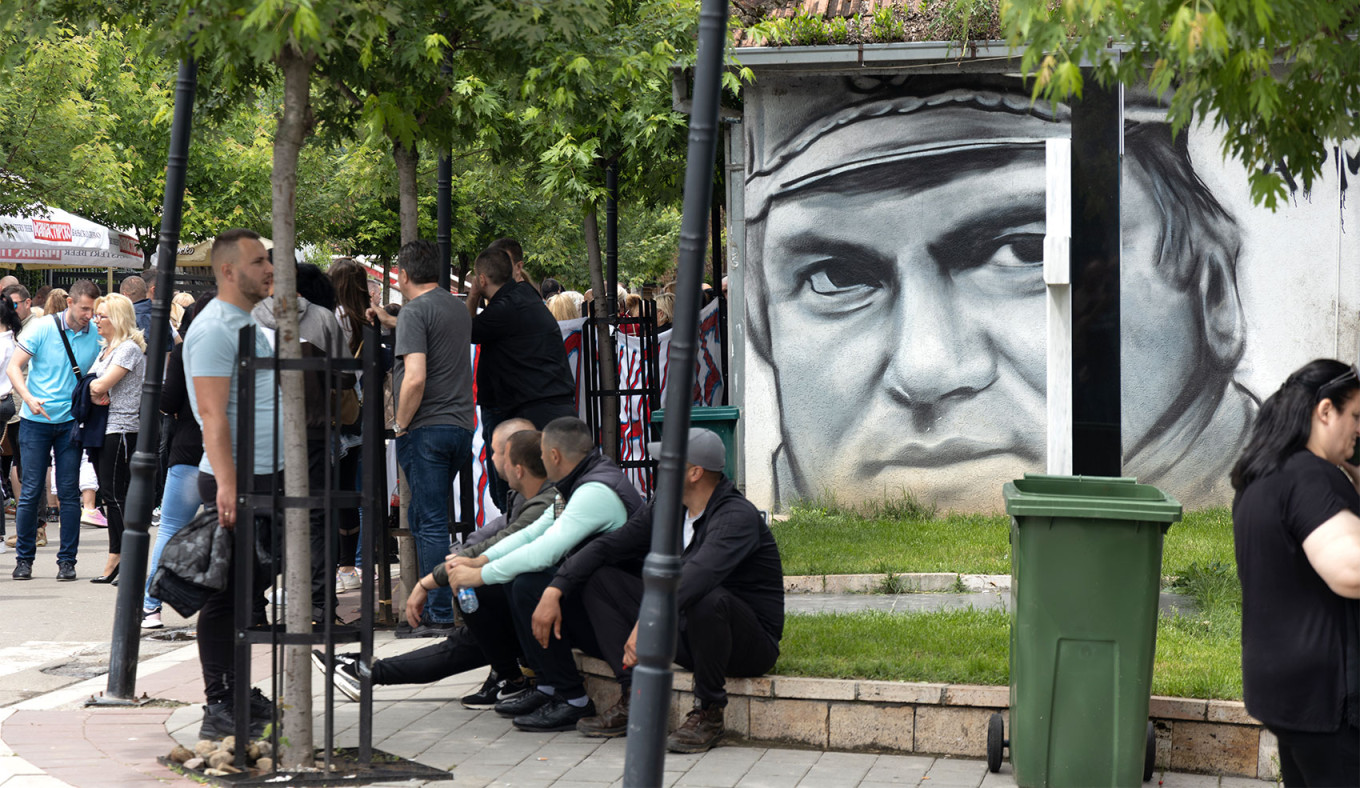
(721, 420)
(1086, 561)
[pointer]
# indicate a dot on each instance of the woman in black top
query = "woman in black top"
(1297, 537)
(180, 500)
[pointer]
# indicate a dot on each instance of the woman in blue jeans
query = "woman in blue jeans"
(180, 501)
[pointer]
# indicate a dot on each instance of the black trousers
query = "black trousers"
(454, 654)
(324, 562)
(1320, 760)
(348, 520)
(217, 619)
(113, 468)
(493, 631)
(555, 665)
(720, 635)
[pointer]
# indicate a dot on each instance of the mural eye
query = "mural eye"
(1018, 250)
(843, 279)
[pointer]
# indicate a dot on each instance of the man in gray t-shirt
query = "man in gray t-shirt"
(434, 419)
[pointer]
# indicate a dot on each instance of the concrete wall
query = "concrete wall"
(894, 332)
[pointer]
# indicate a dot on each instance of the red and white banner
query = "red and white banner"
(54, 237)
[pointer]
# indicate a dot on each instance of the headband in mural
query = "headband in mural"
(875, 133)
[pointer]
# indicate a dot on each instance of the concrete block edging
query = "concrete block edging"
(1204, 736)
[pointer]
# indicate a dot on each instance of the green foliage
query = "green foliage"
(887, 24)
(961, 20)
(1278, 79)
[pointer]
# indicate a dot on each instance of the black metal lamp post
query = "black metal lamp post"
(127, 618)
(658, 619)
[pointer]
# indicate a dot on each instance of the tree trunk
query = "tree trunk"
(406, 160)
(294, 126)
(461, 271)
(608, 359)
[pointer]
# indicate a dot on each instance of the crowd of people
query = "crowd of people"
(560, 569)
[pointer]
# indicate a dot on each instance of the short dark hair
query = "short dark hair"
(549, 287)
(569, 435)
(134, 287)
(12, 289)
(83, 288)
(495, 265)
(526, 448)
(315, 286)
(511, 247)
(420, 261)
(229, 239)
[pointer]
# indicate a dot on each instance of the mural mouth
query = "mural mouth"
(939, 454)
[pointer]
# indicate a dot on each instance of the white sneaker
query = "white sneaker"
(151, 619)
(347, 581)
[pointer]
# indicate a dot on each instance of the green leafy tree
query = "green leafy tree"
(603, 99)
(1278, 78)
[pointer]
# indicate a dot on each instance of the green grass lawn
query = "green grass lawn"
(822, 538)
(1197, 656)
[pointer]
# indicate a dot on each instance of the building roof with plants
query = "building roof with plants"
(773, 23)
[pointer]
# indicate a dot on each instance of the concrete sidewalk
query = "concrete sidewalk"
(51, 740)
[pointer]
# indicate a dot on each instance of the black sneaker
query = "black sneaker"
(348, 669)
(497, 690)
(219, 723)
(261, 707)
(522, 704)
(555, 715)
(23, 569)
(66, 570)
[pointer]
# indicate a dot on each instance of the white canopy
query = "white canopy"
(54, 238)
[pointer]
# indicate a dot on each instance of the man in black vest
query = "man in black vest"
(593, 497)
(522, 371)
(731, 597)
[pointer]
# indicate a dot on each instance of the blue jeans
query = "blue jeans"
(431, 457)
(38, 439)
(179, 504)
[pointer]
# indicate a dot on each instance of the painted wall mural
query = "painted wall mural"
(894, 293)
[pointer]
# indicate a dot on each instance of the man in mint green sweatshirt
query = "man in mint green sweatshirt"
(593, 498)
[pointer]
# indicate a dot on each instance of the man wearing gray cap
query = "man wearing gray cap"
(731, 597)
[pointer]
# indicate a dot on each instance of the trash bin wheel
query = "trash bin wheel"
(995, 743)
(1150, 756)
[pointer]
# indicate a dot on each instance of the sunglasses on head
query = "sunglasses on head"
(1351, 375)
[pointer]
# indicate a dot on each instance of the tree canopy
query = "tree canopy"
(1281, 79)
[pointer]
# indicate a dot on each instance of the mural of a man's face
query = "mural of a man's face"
(904, 309)
(921, 313)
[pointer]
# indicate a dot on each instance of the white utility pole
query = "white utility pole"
(1058, 285)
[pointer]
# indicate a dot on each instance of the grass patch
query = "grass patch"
(823, 537)
(1196, 658)
(957, 646)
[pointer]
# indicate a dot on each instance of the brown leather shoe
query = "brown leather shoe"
(613, 722)
(702, 729)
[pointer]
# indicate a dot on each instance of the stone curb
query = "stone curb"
(896, 583)
(1204, 736)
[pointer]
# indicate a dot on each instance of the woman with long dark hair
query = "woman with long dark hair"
(352, 304)
(1297, 537)
(10, 326)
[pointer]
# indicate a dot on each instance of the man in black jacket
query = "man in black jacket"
(522, 369)
(731, 596)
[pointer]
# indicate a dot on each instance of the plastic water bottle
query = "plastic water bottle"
(467, 600)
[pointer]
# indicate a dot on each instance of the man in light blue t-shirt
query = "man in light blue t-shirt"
(45, 422)
(245, 276)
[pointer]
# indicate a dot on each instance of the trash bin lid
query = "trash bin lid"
(1094, 497)
(700, 414)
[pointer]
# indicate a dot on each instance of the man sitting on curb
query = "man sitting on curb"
(519, 456)
(594, 497)
(731, 597)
